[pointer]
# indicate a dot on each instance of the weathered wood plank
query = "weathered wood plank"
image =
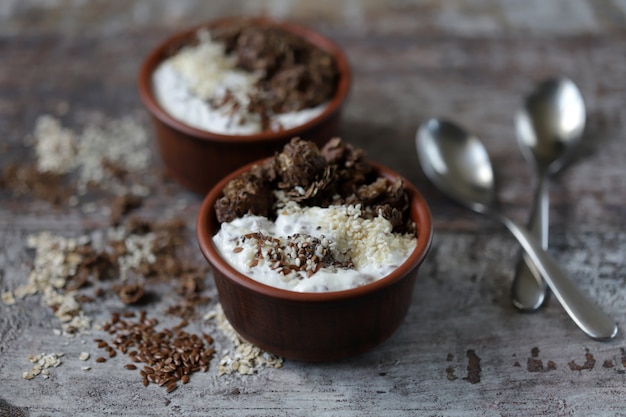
(471, 61)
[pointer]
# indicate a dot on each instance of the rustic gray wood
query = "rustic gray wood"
(470, 61)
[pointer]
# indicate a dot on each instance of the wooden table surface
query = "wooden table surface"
(467, 60)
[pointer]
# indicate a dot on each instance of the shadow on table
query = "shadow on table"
(8, 410)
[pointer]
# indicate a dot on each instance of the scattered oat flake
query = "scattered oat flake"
(121, 143)
(102, 154)
(55, 146)
(8, 298)
(83, 356)
(62, 265)
(247, 359)
(42, 363)
(56, 260)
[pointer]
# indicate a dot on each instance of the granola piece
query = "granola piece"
(122, 205)
(337, 152)
(100, 265)
(367, 194)
(94, 264)
(319, 193)
(352, 169)
(338, 174)
(395, 217)
(387, 200)
(26, 180)
(249, 193)
(300, 164)
(138, 226)
(130, 293)
(294, 73)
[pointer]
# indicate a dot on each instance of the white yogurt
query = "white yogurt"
(186, 83)
(367, 246)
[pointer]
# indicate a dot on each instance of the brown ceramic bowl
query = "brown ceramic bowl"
(197, 158)
(314, 326)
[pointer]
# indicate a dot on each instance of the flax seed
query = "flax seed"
(100, 359)
(169, 355)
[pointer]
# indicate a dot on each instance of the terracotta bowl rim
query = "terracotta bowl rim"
(204, 233)
(160, 52)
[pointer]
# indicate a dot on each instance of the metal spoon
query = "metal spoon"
(548, 126)
(458, 164)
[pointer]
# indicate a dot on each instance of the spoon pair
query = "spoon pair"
(549, 125)
(458, 164)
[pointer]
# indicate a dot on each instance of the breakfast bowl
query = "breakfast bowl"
(235, 96)
(313, 325)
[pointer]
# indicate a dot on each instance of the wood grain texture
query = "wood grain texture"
(468, 60)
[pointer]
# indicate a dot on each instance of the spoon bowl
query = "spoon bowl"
(458, 164)
(460, 157)
(549, 125)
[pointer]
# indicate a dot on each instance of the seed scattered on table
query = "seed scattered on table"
(170, 355)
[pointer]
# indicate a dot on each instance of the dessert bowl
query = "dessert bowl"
(315, 326)
(198, 158)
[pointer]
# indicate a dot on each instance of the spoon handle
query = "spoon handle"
(591, 320)
(529, 289)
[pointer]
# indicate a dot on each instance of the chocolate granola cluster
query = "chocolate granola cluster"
(294, 74)
(336, 174)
